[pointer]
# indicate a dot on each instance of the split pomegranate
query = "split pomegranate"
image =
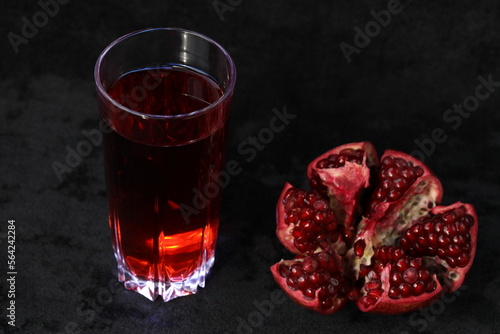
(404, 252)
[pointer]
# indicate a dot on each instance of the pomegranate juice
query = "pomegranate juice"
(153, 169)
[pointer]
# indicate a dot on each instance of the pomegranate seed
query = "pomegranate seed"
(394, 293)
(451, 261)
(402, 264)
(431, 286)
(321, 205)
(432, 239)
(296, 270)
(379, 267)
(292, 283)
(453, 250)
(327, 303)
(410, 275)
(468, 221)
(460, 240)
(461, 227)
(382, 254)
(326, 261)
(309, 293)
(303, 247)
(364, 270)
(284, 270)
(315, 279)
(405, 290)
(438, 227)
(373, 285)
(376, 293)
(297, 233)
(310, 264)
(449, 217)
(418, 288)
(353, 295)
(372, 275)
(429, 227)
(463, 260)
(359, 247)
(302, 283)
(310, 228)
(397, 253)
(396, 278)
(370, 300)
(323, 293)
(404, 242)
(414, 263)
(449, 230)
(443, 241)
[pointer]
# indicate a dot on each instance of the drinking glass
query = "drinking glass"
(164, 97)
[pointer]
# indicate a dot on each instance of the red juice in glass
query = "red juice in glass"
(165, 144)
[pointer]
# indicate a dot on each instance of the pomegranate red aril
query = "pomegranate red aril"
(396, 278)
(405, 251)
(373, 285)
(394, 293)
(463, 260)
(359, 248)
(430, 286)
(310, 293)
(310, 264)
(292, 282)
(418, 288)
(326, 303)
(295, 270)
(302, 283)
(315, 279)
(410, 275)
(284, 270)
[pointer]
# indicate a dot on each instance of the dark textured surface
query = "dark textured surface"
(396, 90)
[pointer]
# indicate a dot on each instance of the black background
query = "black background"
(395, 91)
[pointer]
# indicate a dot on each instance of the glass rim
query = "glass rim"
(102, 91)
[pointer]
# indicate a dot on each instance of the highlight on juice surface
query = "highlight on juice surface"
(165, 94)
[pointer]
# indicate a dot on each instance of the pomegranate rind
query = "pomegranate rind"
(284, 231)
(387, 305)
(346, 184)
(297, 295)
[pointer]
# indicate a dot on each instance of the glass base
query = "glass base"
(165, 289)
